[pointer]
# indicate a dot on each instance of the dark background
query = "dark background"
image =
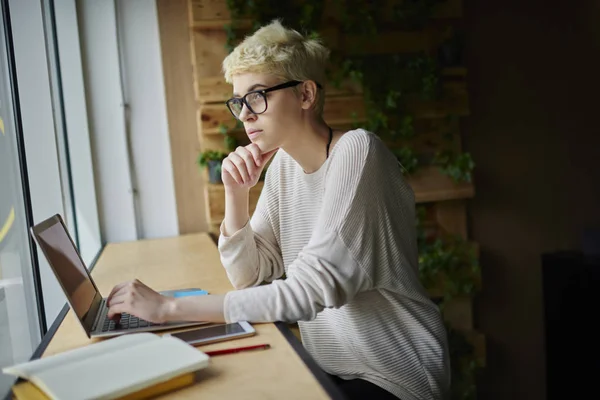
(534, 133)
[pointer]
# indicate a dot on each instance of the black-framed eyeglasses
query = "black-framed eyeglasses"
(256, 101)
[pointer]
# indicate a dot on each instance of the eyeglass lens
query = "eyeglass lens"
(256, 103)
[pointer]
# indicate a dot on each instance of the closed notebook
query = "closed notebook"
(114, 368)
(28, 391)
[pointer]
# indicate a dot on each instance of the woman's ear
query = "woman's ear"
(308, 94)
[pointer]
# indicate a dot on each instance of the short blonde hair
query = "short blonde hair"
(285, 53)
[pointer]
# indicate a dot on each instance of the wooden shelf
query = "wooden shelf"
(430, 185)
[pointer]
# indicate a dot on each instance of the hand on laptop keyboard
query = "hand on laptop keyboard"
(134, 297)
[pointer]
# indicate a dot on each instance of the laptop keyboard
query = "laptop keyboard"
(127, 321)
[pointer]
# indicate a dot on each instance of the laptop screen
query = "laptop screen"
(67, 265)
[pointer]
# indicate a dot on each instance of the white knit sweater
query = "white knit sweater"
(345, 236)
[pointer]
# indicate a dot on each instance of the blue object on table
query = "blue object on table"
(190, 293)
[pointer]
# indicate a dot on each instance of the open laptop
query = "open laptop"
(80, 289)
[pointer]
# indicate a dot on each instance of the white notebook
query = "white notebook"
(111, 368)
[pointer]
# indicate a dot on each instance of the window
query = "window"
(20, 326)
(71, 124)
(45, 166)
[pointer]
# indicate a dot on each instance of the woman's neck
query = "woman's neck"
(308, 145)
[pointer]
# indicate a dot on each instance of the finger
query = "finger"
(125, 302)
(129, 290)
(232, 170)
(251, 166)
(116, 318)
(240, 164)
(140, 285)
(116, 289)
(117, 299)
(123, 290)
(116, 311)
(255, 151)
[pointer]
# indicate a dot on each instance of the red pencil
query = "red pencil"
(237, 349)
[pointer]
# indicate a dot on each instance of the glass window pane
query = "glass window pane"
(19, 324)
(72, 130)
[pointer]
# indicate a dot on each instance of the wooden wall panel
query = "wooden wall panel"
(207, 10)
(216, 194)
(452, 217)
(209, 52)
(458, 313)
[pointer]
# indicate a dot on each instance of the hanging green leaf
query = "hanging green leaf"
(230, 143)
(407, 159)
(457, 166)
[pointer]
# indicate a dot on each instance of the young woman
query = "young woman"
(335, 216)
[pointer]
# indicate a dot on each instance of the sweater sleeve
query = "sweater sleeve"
(326, 273)
(252, 255)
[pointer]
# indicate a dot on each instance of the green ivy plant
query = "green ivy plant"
(450, 264)
(386, 110)
(407, 159)
(458, 166)
(464, 365)
(446, 262)
(229, 141)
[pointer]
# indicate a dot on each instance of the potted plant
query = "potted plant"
(212, 159)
